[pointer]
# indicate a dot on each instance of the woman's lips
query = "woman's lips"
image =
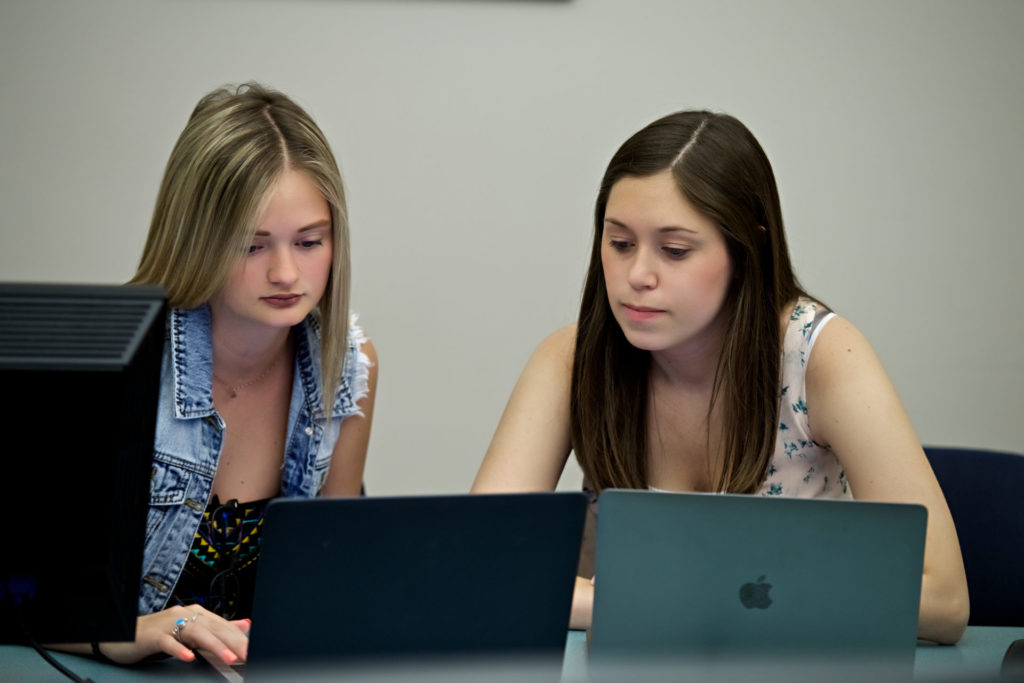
(282, 300)
(641, 314)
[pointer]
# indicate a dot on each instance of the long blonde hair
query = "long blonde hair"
(216, 187)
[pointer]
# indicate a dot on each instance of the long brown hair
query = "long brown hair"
(216, 187)
(721, 169)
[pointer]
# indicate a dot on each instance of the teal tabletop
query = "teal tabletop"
(978, 657)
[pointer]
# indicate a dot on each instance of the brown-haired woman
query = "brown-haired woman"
(698, 363)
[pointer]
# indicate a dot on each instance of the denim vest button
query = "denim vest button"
(309, 431)
(194, 504)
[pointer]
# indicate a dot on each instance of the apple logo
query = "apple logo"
(755, 595)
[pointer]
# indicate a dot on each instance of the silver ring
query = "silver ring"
(180, 625)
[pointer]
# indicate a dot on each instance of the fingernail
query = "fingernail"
(187, 655)
(229, 656)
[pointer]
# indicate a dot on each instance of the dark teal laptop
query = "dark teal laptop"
(713, 577)
(384, 582)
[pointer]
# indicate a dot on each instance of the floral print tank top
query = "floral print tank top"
(800, 467)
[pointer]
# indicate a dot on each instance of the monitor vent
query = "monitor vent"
(74, 331)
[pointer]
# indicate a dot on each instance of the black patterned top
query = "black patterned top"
(220, 572)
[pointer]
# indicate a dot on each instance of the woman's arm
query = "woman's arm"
(853, 408)
(532, 442)
(345, 476)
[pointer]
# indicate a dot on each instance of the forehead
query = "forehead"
(654, 202)
(293, 201)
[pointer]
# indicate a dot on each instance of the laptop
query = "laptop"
(362, 581)
(720, 577)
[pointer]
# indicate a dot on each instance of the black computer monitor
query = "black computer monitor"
(80, 375)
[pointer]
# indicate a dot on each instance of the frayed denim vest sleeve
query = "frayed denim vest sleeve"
(311, 434)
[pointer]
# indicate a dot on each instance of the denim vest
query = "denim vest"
(190, 433)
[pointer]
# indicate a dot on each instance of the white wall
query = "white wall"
(472, 136)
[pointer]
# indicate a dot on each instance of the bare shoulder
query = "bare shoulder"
(559, 346)
(532, 441)
(548, 374)
(848, 389)
(839, 347)
(852, 404)
(547, 378)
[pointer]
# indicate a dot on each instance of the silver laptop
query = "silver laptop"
(719, 577)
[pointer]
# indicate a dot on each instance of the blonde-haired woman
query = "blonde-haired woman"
(267, 385)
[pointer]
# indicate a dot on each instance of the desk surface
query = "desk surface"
(978, 656)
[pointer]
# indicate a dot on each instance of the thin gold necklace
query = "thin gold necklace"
(233, 389)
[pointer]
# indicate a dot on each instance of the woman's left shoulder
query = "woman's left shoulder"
(839, 344)
(356, 333)
(360, 343)
(361, 362)
(368, 351)
(846, 381)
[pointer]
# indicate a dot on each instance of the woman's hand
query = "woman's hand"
(582, 604)
(178, 631)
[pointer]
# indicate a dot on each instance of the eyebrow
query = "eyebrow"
(326, 223)
(665, 229)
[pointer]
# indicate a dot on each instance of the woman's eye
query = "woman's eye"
(676, 252)
(309, 244)
(618, 245)
(253, 248)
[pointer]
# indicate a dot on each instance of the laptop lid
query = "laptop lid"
(434, 576)
(716, 576)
